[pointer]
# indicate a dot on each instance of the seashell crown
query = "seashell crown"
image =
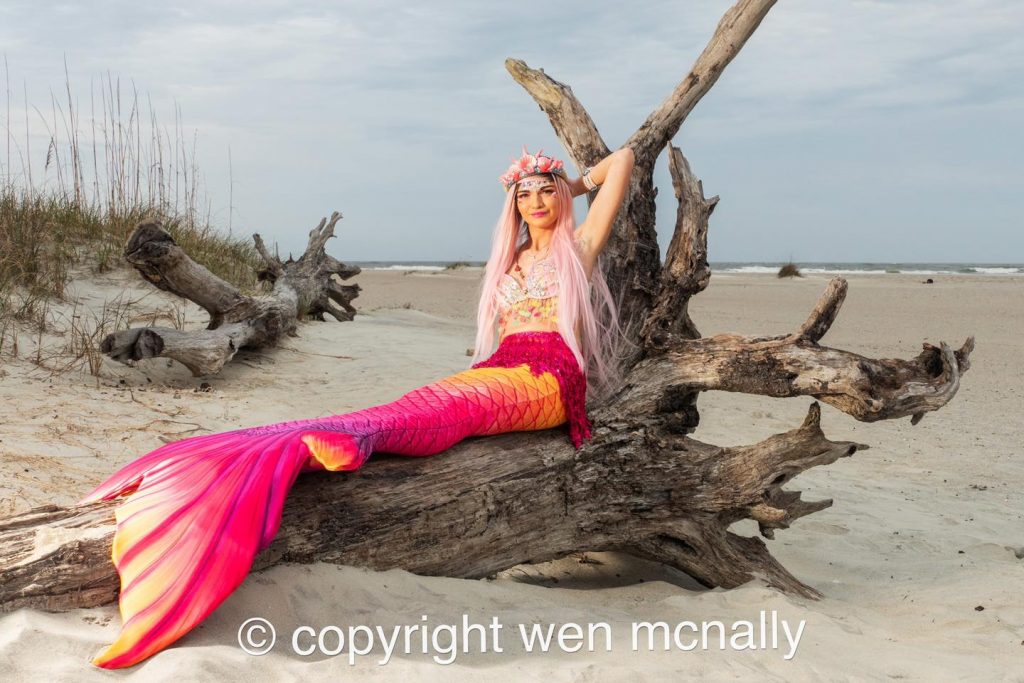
(531, 164)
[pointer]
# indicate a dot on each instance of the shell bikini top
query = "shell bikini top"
(537, 302)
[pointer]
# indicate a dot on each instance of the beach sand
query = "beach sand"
(920, 559)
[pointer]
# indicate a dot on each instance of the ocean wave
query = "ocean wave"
(400, 266)
(875, 269)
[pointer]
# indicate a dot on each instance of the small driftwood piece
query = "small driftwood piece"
(300, 288)
(641, 485)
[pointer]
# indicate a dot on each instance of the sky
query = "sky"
(853, 131)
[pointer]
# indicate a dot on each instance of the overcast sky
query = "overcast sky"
(843, 131)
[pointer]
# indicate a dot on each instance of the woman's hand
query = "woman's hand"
(577, 186)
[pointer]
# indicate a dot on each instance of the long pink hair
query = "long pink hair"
(589, 303)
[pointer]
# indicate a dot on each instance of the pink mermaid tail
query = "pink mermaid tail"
(198, 511)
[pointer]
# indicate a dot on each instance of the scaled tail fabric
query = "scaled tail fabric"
(197, 511)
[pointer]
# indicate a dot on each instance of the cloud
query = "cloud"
(372, 107)
(813, 50)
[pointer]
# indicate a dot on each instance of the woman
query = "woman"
(198, 511)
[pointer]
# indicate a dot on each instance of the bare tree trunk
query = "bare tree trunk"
(641, 485)
(301, 288)
(476, 511)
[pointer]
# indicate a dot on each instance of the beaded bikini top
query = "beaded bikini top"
(541, 283)
(537, 302)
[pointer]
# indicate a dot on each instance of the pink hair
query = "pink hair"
(589, 303)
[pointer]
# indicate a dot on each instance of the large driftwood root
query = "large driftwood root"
(641, 485)
(300, 288)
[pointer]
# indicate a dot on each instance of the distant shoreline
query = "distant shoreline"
(748, 267)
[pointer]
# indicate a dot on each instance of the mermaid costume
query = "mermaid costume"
(196, 512)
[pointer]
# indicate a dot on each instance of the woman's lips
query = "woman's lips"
(538, 215)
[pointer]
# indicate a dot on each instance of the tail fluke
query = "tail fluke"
(197, 513)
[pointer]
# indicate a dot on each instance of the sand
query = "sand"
(921, 558)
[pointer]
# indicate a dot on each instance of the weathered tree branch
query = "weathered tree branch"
(570, 120)
(795, 365)
(686, 271)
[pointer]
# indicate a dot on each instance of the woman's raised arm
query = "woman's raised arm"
(612, 174)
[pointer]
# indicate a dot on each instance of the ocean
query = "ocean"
(769, 267)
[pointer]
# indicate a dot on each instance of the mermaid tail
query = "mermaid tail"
(199, 510)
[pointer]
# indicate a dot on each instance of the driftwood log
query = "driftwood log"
(300, 288)
(641, 485)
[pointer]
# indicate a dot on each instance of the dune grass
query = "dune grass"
(75, 213)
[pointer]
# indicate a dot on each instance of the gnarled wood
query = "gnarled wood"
(497, 510)
(795, 365)
(686, 271)
(300, 288)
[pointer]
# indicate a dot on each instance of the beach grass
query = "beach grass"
(69, 205)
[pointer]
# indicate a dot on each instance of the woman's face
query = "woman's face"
(537, 201)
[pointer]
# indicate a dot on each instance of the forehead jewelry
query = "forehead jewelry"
(534, 184)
